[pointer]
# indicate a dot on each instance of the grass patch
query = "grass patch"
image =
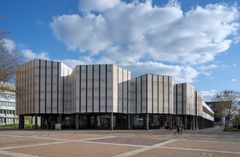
(231, 129)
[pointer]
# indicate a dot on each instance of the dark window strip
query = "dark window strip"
(86, 88)
(92, 88)
(163, 92)
(51, 87)
(99, 87)
(57, 86)
(182, 98)
(136, 94)
(157, 93)
(118, 89)
(63, 78)
(45, 90)
(141, 93)
(146, 94)
(106, 88)
(152, 93)
(176, 102)
(127, 90)
(168, 95)
(122, 90)
(80, 88)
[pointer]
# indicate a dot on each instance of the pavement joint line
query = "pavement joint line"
(209, 141)
(202, 150)
(117, 144)
(3, 152)
(53, 143)
(140, 150)
(99, 138)
(34, 145)
(33, 136)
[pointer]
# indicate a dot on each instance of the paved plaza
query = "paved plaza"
(119, 143)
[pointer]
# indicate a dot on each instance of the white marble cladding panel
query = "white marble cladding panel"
(199, 104)
(125, 91)
(143, 103)
(36, 86)
(115, 88)
(83, 88)
(37, 92)
(149, 93)
(43, 86)
(103, 83)
(155, 94)
(166, 89)
(96, 88)
(120, 90)
(103, 88)
(133, 98)
(129, 109)
(109, 88)
(171, 83)
(55, 87)
(160, 94)
(139, 96)
(48, 87)
(89, 88)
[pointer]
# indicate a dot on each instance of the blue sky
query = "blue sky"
(194, 41)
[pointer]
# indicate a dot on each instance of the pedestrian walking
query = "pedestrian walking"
(181, 128)
(178, 128)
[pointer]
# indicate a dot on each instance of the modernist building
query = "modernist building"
(190, 108)
(7, 104)
(102, 96)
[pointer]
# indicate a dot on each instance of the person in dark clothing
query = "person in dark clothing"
(178, 128)
(181, 127)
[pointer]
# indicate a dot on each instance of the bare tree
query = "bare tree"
(228, 103)
(9, 59)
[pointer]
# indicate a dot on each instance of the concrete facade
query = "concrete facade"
(100, 89)
(104, 96)
(190, 107)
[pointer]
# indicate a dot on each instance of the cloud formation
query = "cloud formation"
(9, 44)
(29, 55)
(143, 35)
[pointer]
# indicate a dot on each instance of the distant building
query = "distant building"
(7, 104)
(220, 118)
(105, 96)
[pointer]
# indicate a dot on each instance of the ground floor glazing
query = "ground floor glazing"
(115, 121)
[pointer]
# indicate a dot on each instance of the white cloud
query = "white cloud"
(179, 73)
(10, 45)
(209, 95)
(129, 33)
(29, 55)
(234, 80)
(93, 5)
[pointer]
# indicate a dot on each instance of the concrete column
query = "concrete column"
(111, 121)
(147, 121)
(196, 123)
(129, 122)
(171, 123)
(21, 122)
(193, 121)
(185, 122)
(35, 123)
(77, 121)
